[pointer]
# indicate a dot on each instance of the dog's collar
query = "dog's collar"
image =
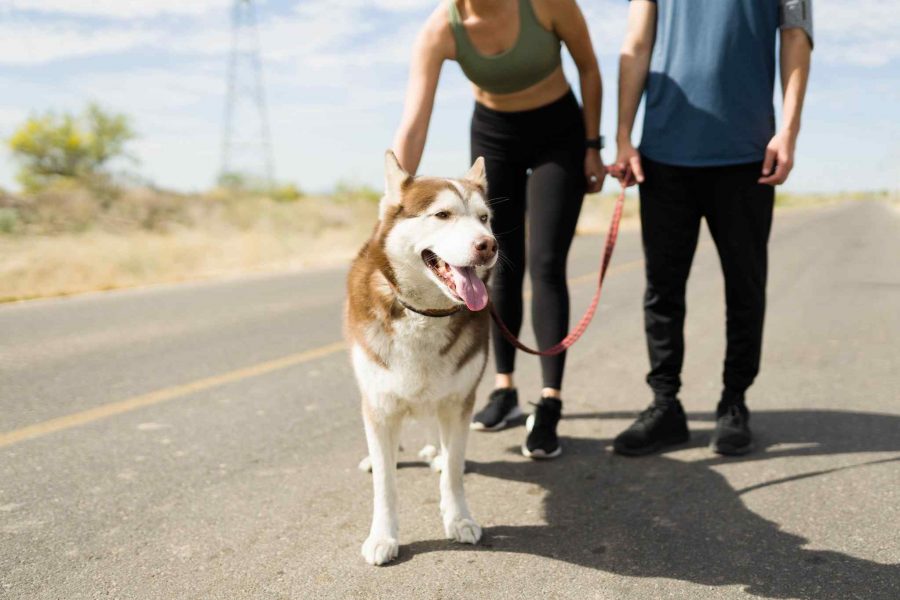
(429, 312)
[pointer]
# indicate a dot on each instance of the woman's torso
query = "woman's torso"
(485, 45)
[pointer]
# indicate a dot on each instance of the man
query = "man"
(709, 150)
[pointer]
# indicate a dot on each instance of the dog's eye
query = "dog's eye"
(442, 215)
(483, 218)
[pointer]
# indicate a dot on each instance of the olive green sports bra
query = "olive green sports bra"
(533, 57)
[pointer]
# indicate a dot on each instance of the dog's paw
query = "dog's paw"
(380, 550)
(433, 456)
(365, 465)
(429, 452)
(465, 531)
(438, 462)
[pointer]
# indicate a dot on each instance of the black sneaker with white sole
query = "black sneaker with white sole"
(501, 408)
(661, 424)
(542, 441)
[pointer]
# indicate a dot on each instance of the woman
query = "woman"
(541, 150)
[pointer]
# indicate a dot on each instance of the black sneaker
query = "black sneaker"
(542, 441)
(732, 435)
(502, 407)
(660, 424)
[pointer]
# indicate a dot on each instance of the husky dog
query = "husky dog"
(418, 333)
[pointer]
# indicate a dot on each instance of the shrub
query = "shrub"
(53, 146)
(244, 184)
(344, 191)
(9, 220)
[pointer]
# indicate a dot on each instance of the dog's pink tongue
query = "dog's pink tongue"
(469, 287)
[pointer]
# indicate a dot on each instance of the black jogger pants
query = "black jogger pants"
(738, 212)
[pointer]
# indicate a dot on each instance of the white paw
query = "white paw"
(438, 462)
(365, 465)
(430, 454)
(465, 531)
(434, 457)
(380, 550)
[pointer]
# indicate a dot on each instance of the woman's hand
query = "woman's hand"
(594, 170)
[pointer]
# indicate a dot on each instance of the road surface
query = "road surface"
(201, 441)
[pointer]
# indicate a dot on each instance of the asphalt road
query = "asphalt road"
(201, 441)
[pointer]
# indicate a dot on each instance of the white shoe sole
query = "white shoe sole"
(515, 413)
(537, 453)
(540, 454)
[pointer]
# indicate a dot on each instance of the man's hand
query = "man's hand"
(594, 170)
(780, 157)
(628, 164)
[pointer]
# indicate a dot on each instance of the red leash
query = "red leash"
(625, 179)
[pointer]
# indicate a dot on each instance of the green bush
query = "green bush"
(244, 184)
(344, 191)
(286, 192)
(54, 146)
(9, 220)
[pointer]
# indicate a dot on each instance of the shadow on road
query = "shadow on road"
(661, 517)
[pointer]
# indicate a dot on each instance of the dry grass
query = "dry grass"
(37, 267)
(598, 209)
(67, 243)
(70, 240)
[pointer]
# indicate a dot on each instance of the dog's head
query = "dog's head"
(437, 235)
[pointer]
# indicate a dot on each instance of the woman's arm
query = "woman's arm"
(634, 64)
(433, 45)
(569, 24)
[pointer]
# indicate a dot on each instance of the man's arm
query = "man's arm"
(796, 48)
(634, 64)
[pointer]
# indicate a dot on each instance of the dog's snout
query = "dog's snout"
(486, 247)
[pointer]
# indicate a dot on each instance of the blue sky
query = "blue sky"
(335, 73)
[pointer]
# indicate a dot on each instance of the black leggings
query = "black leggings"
(534, 158)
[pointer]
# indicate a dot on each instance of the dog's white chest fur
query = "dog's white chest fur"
(422, 367)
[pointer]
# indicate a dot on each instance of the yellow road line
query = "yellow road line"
(163, 395)
(179, 391)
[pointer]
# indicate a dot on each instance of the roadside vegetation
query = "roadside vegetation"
(83, 222)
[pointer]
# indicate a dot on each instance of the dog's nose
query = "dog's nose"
(486, 247)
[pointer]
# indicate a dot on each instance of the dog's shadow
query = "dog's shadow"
(661, 517)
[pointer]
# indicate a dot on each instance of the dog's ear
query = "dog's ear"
(476, 173)
(394, 179)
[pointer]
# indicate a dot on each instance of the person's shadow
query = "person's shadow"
(661, 517)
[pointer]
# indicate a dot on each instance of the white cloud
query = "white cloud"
(121, 9)
(31, 44)
(857, 32)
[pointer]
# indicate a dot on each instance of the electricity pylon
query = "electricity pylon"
(246, 140)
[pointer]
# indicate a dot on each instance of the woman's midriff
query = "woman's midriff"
(548, 90)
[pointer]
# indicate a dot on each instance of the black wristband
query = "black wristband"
(595, 143)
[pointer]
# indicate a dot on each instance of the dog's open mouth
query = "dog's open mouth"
(462, 282)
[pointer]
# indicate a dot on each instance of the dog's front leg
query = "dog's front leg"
(454, 424)
(382, 437)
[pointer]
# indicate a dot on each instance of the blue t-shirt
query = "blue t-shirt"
(711, 80)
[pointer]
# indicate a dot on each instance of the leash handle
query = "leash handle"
(624, 177)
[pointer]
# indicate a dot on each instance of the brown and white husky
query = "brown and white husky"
(418, 333)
